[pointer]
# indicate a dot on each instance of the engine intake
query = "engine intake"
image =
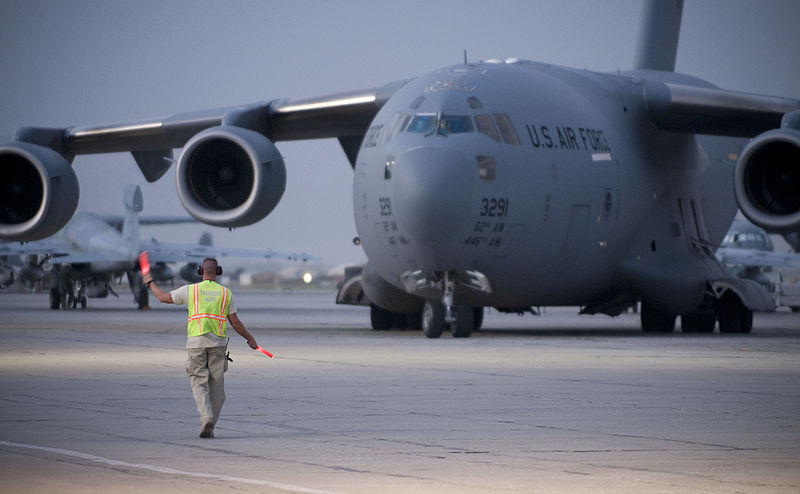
(39, 192)
(229, 176)
(767, 180)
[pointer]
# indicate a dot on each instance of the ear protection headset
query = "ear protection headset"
(200, 267)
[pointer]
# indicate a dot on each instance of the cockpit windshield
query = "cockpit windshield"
(454, 124)
(422, 124)
(443, 125)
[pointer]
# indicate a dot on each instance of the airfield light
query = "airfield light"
(307, 278)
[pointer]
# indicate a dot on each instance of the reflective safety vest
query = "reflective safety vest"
(208, 308)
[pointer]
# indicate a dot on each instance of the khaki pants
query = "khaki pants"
(206, 368)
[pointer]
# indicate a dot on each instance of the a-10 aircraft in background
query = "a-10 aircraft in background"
(100, 249)
(748, 252)
(505, 183)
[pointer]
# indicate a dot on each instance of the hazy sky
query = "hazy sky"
(90, 62)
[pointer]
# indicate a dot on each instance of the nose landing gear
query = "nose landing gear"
(436, 315)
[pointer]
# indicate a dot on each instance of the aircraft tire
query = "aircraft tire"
(380, 318)
(477, 318)
(55, 298)
(655, 321)
(414, 320)
(733, 316)
(433, 319)
(462, 326)
(698, 322)
(144, 298)
(795, 309)
(83, 302)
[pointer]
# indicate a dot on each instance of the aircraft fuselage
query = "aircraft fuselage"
(547, 181)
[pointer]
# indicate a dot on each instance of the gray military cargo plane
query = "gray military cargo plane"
(504, 183)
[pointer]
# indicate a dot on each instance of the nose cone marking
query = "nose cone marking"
(433, 190)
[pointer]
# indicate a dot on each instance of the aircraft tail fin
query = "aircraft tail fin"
(206, 240)
(132, 198)
(659, 29)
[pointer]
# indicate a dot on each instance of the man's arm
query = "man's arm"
(239, 327)
(163, 297)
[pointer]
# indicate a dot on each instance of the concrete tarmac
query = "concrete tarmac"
(98, 401)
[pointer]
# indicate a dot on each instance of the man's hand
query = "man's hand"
(251, 342)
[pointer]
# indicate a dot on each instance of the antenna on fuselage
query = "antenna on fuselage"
(465, 56)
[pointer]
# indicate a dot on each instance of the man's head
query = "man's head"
(209, 269)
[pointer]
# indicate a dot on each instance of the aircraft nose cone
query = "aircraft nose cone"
(433, 190)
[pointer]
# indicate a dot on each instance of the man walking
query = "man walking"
(210, 306)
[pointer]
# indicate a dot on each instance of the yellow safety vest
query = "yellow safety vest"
(208, 308)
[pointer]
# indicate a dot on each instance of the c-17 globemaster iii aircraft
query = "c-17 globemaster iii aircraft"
(504, 183)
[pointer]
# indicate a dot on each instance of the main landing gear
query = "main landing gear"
(729, 311)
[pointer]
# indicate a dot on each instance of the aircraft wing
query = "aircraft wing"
(756, 257)
(117, 221)
(61, 252)
(345, 116)
(699, 110)
(175, 252)
(50, 246)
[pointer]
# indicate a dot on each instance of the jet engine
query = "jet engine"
(767, 180)
(38, 191)
(230, 176)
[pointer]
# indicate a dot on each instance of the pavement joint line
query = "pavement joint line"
(170, 471)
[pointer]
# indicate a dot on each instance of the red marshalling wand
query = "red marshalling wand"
(144, 264)
(262, 350)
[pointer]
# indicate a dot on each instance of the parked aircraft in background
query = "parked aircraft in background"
(99, 250)
(504, 183)
(748, 252)
(6, 274)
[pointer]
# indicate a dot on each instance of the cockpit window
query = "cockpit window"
(454, 124)
(507, 129)
(422, 124)
(486, 126)
(396, 125)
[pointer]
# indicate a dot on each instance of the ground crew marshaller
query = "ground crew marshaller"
(210, 306)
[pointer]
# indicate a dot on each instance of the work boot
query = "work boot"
(207, 431)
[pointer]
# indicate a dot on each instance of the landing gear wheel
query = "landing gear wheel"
(697, 322)
(462, 326)
(433, 319)
(477, 318)
(55, 299)
(144, 298)
(83, 302)
(655, 321)
(414, 320)
(380, 318)
(733, 316)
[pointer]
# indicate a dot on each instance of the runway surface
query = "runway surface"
(98, 401)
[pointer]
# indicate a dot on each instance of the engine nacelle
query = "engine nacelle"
(229, 176)
(38, 191)
(767, 180)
